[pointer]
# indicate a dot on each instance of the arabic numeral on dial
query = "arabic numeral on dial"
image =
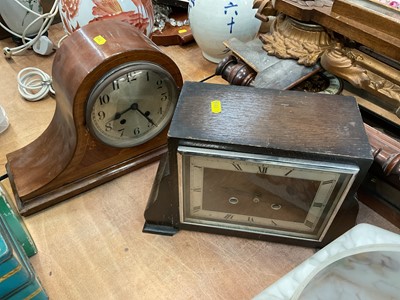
(109, 126)
(115, 85)
(250, 219)
(104, 99)
(131, 76)
(101, 115)
(159, 84)
(121, 131)
(160, 111)
(164, 96)
(136, 131)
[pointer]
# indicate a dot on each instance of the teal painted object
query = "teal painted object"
(15, 223)
(12, 272)
(17, 277)
(33, 291)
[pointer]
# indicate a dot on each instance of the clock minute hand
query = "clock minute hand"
(133, 106)
(143, 114)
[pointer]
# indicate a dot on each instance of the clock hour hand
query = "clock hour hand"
(118, 115)
(133, 106)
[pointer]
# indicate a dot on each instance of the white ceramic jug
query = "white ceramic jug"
(214, 21)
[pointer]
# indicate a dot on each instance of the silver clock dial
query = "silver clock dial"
(131, 104)
(259, 193)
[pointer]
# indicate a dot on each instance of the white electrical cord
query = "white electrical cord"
(3, 120)
(34, 84)
(28, 42)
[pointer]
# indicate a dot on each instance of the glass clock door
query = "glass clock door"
(261, 194)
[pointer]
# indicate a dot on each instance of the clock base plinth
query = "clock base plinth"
(159, 229)
(161, 217)
(30, 205)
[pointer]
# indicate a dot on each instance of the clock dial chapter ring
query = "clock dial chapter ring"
(131, 104)
(259, 194)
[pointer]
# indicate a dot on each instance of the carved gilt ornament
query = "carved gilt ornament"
(310, 43)
(366, 73)
(289, 38)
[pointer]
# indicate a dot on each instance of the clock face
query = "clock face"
(323, 83)
(131, 104)
(261, 194)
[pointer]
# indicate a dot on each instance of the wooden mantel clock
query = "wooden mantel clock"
(274, 165)
(115, 94)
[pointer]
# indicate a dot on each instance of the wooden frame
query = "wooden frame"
(355, 40)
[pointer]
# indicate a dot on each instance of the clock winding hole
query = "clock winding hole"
(233, 200)
(275, 206)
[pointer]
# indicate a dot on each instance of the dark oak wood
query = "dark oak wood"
(381, 196)
(297, 122)
(66, 159)
(381, 189)
(386, 151)
(235, 71)
(287, 124)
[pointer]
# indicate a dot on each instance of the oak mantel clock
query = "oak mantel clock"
(265, 164)
(115, 94)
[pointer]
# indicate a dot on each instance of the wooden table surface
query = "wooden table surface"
(92, 246)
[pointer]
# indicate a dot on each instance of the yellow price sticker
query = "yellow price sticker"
(216, 106)
(99, 40)
(182, 31)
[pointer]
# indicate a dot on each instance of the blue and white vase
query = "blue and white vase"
(214, 21)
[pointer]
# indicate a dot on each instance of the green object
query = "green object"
(18, 279)
(15, 223)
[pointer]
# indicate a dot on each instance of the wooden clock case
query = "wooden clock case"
(66, 159)
(287, 124)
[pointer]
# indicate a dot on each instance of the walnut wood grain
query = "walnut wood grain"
(66, 160)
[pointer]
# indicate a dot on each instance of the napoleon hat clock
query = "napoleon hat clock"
(115, 94)
(265, 164)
